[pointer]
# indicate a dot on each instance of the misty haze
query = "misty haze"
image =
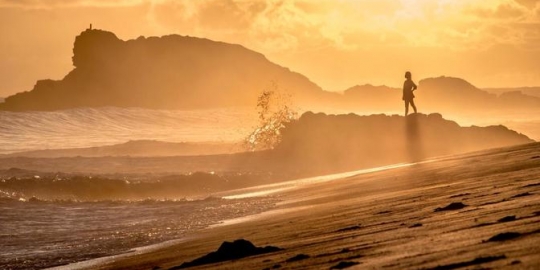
(266, 134)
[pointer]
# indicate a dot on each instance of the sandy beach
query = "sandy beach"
(474, 210)
(251, 134)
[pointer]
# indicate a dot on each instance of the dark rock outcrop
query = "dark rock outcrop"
(229, 251)
(337, 142)
(504, 236)
(451, 206)
(182, 72)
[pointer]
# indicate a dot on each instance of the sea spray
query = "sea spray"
(274, 111)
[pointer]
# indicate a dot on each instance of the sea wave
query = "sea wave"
(173, 188)
(38, 234)
(88, 127)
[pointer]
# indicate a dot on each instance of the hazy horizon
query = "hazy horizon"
(336, 46)
(142, 133)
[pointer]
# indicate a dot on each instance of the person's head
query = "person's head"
(408, 75)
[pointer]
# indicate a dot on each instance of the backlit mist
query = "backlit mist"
(336, 44)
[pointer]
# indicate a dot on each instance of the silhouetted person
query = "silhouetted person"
(408, 87)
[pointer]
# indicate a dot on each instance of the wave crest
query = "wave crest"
(89, 127)
(86, 188)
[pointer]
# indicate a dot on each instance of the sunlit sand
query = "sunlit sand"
(288, 185)
(258, 134)
(389, 218)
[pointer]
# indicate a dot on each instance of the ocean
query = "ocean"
(89, 127)
(39, 234)
(46, 222)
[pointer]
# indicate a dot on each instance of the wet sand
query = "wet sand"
(473, 210)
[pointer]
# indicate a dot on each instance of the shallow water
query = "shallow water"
(41, 234)
(87, 218)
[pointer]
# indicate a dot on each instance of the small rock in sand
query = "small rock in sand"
(352, 228)
(298, 257)
(521, 195)
(344, 264)
(452, 206)
(507, 219)
(504, 236)
(229, 251)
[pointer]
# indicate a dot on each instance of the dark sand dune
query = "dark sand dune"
(389, 219)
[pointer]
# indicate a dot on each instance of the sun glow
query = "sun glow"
(337, 44)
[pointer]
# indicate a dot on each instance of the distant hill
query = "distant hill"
(370, 97)
(169, 72)
(529, 91)
(450, 93)
(443, 94)
(182, 72)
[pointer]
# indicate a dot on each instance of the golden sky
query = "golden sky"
(335, 43)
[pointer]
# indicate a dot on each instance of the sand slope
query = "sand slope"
(388, 219)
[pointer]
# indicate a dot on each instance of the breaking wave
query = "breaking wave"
(89, 127)
(172, 188)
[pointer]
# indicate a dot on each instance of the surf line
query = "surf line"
(264, 190)
(102, 261)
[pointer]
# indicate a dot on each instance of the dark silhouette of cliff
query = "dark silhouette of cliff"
(182, 72)
(169, 72)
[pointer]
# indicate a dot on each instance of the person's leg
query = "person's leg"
(406, 107)
(413, 106)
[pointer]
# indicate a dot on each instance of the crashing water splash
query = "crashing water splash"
(274, 110)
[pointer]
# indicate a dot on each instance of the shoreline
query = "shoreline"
(389, 219)
(264, 190)
(96, 262)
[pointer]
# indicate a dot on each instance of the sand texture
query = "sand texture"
(479, 210)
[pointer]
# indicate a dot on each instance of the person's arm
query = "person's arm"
(414, 86)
